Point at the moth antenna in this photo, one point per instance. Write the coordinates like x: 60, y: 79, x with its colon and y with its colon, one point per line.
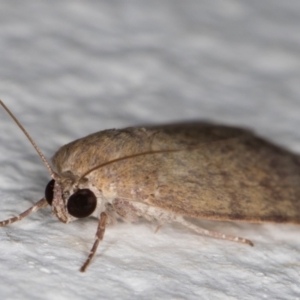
x: 146, y: 153
x: 132, y: 156
x: 37, y: 149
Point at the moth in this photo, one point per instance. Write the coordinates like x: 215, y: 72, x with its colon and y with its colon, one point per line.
x: 167, y: 173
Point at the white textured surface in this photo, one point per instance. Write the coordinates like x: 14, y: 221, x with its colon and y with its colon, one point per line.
x: 69, y: 68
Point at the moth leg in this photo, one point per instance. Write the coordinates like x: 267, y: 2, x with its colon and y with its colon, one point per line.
x: 40, y: 204
x: 158, y: 228
x: 214, y: 234
x: 98, y: 238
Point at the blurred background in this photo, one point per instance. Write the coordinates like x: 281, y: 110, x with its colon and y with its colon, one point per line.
x: 70, y: 68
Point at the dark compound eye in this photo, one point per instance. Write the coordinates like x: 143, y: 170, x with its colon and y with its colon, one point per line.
x: 49, y: 191
x: 82, y: 203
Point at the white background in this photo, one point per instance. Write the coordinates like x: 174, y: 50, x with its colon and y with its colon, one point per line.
x: 70, y: 68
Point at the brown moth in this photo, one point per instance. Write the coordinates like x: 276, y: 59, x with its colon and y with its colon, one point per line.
x: 166, y: 173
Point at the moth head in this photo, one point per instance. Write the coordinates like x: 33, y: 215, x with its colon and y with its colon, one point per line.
x: 70, y: 204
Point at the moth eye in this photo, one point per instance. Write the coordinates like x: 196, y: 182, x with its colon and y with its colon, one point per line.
x: 82, y: 203
x: 49, y: 191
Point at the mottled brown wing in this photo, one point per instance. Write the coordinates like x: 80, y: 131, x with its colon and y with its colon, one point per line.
x: 247, y: 179
x: 221, y: 173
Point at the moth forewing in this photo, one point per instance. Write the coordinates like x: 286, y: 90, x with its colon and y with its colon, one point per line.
x: 166, y: 173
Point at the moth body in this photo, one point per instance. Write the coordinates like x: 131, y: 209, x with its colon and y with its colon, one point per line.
x: 167, y: 173
x: 211, y: 172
